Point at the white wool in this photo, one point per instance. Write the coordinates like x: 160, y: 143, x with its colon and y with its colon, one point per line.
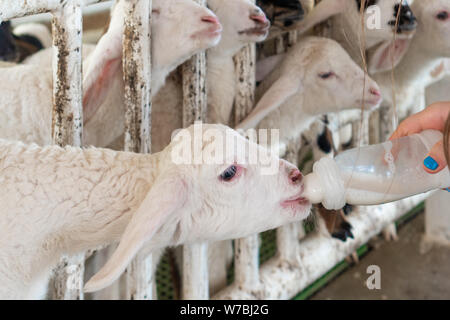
x: 66, y: 200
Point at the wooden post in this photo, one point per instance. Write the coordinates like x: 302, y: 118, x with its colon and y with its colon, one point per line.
x: 137, y: 78
x: 67, y: 124
x: 195, y: 256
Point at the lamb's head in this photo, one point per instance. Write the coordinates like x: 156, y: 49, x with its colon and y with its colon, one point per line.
x: 432, y: 37
x: 380, y: 19
x: 209, y: 188
x: 180, y: 29
x: 333, y: 81
x: 434, y: 26
x: 243, y: 23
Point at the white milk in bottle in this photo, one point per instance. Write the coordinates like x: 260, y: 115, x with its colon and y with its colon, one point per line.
x: 376, y: 174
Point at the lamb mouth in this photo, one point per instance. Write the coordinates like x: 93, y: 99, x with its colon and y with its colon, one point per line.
x: 211, y: 32
x: 258, y: 31
x: 370, y: 102
x: 297, y: 200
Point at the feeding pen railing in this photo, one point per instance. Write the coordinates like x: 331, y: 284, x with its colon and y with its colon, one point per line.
x: 300, y: 258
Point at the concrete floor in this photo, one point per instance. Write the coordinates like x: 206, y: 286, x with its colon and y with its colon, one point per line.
x: 409, y: 270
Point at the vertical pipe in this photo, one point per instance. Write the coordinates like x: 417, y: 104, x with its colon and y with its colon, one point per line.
x: 245, y: 65
x: 195, y: 256
x: 137, y: 79
x: 67, y: 123
x: 195, y: 272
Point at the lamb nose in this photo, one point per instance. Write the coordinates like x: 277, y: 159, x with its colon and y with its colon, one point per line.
x: 375, y: 92
x: 259, y: 17
x: 295, y: 176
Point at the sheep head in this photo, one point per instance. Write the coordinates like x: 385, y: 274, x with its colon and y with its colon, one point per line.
x: 243, y: 23
x: 333, y: 80
x: 209, y: 188
x: 325, y: 76
x: 180, y: 29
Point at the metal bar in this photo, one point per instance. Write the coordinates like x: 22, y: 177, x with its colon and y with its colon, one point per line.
x: 20, y: 8
x: 67, y: 124
x: 195, y: 256
x: 195, y: 272
x: 137, y: 78
x: 245, y: 65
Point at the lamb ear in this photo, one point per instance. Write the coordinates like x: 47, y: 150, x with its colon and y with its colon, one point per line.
x: 387, y: 55
x: 103, y: 63
x: 164, y: 199
x: 278, y: 93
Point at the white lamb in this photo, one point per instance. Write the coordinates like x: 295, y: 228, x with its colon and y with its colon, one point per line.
x: 346, y: 27
x: 66, y: 200
x: 26, y: 104
x: 316, y: 77
x: 418, y: 68
x: 379, y: 22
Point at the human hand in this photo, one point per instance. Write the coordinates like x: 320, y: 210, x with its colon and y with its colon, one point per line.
x: 433, y: 117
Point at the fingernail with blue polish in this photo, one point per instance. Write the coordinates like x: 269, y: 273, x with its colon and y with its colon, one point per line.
x: 430, y: 163
x: 448, y: 189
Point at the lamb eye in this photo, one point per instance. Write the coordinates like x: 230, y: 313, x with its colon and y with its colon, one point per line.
x: 229, y: 174
x: 326, y: 75
x: 443, y: 15
x: 155, y: 11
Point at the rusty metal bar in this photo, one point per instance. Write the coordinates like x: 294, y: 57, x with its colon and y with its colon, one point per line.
x: 245, y: 64
x: 20, y: 8
x: 67, y: 78
x: 137, y: 78
x: 68, y: 122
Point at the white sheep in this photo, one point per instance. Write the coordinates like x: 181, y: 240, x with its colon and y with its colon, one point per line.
x: 25, y: 107
x: 379, y: 22
x: 346, y: 20
x: 416, y: 70
x: 316, y: 77
x: 66, y: 200
x: 243, y: 23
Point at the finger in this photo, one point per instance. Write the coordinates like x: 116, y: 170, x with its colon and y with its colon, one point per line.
x: 433, y: 117
x: 435, y: 161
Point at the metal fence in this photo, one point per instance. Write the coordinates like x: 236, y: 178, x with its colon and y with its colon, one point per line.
x: 298, y: 262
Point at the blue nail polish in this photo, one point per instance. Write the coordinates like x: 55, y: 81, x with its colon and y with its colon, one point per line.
x: 448, y: 189
x: 430, y: 163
